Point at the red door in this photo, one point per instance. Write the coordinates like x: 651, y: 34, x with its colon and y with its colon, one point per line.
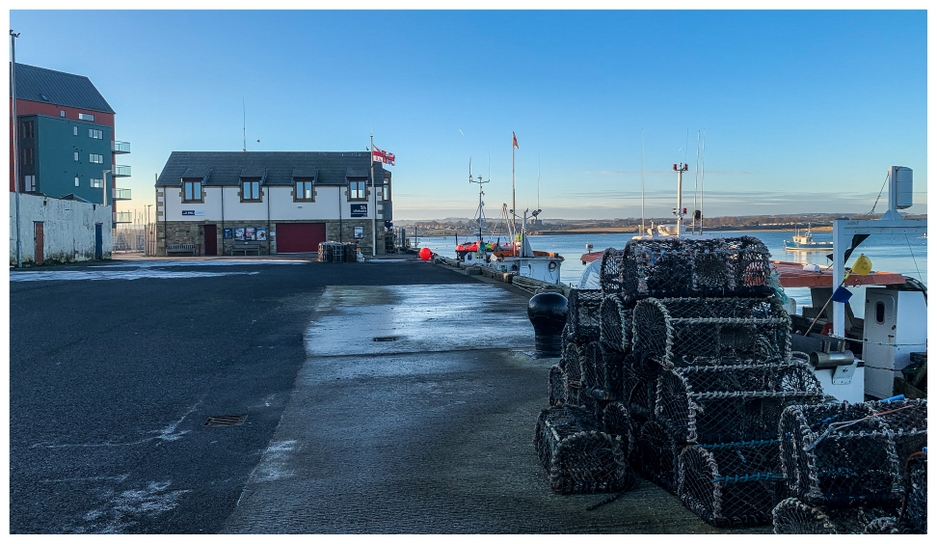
x: 211, y: 240
x: 299, y: 237
x: 40, y: 243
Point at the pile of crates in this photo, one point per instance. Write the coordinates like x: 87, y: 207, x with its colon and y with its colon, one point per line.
x: 684, y: 355
x: 338, y: 252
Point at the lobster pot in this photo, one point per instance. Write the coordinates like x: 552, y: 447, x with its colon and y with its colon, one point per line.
x: 793, y: 516
x: 616, y: 312
x: 658, y: 452
x: 324, y: 252
x: 617, y: 421
x: 570, y: 363
x: 610, y: 273
x: 734, y: 484
x: 677, y: 331
x: 732, y: 403
x: 602, y: 372
x: 681, y: 267
x: 577, y: 456
x: 582, y: 318
x: 557, y: 386
x: 907, y: 420
x: 839, y: 455
x: 638, y: 392
x: 914, y: 510
x: 350, y: 253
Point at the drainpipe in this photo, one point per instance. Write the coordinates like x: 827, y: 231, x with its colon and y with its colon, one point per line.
x: 222, y: 220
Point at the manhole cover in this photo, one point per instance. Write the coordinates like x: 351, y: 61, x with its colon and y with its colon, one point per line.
x: 222, y: 421
x: 385, y: 338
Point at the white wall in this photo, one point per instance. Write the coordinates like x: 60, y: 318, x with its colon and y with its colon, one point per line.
x: 68, y: 228
x: 278, y: 198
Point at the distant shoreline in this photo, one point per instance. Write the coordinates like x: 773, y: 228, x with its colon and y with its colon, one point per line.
x: 630, y: 230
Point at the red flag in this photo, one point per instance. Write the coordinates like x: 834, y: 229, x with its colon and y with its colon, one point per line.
x: 379, y: 155
x: 514, y: 136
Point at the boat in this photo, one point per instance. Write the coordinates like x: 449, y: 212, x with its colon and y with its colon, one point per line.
x: 805, y: 242
x: 516, y: 255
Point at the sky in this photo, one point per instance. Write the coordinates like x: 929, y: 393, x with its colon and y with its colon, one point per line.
x: 775, y: 112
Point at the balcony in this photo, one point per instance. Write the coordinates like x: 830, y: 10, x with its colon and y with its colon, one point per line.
x: 121, y: 171
x: 120, y: 147
x: 123, y: 217
x: 120, y: 194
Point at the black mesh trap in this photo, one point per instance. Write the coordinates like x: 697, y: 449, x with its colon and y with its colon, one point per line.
x: 683, y: 267
x: 582, y: 320
x: 793, y: 516
x: 731, y: 484
x: 616, y: 312
x: 577, y: 456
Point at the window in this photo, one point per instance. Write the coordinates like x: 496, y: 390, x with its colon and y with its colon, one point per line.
x: 250, y: 189
x: 29, y: 129
x: 76, y: 156
x: 75, y: 131
x: 97, y: 183
x: 61, y: 113
x: 356, y: 190
x: 30, y: 184
x: 192, y: 190
x: 304, y: 191
x: 94, y: 133
x: 29, y: 156
x: 95, y: 158
x: 77, y: 181
x: 85, y: 117
x: 385, y: 194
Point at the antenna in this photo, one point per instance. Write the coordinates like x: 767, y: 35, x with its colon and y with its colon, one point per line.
x: 480, y: 213
x: 696, y: 182
x: 643, y: 232
x: 244, y: 109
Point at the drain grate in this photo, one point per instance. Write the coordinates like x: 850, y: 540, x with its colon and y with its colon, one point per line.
x: 385, y: 338
x: 224, y: 421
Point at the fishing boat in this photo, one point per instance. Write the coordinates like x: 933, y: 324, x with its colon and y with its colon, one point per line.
x: 479, y: 250
x: 805, y: 242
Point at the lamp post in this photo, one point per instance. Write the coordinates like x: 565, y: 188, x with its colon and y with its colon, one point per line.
x: 16, y: 170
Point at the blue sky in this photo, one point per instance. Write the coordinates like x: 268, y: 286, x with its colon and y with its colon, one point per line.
x: 803, y: 111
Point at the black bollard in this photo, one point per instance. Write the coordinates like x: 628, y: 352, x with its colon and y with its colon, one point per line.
x: 547, y: 313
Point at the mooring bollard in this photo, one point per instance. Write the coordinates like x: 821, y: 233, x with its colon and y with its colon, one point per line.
x: 547, y: 313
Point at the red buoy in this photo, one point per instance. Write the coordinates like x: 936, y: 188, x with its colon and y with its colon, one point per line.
x: 426, y: 254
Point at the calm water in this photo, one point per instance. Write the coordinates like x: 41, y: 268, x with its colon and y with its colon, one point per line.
x: 897, y: 253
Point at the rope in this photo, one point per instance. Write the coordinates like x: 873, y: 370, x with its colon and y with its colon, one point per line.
x: 844, y: 424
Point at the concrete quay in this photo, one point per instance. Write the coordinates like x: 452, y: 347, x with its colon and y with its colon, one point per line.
x: 388, y: 397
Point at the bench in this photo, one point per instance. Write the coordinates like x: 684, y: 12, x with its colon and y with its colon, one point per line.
x: 181, y: 248
x: 245, y: 247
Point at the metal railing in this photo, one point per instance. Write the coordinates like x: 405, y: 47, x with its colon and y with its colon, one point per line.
x: 120, y: 147
x: 121, y: 194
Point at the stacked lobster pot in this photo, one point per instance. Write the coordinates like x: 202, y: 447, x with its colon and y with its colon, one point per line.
x: 854, y: 468
x: 584, y: 440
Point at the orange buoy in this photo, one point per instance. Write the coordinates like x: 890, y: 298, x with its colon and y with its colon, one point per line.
x: 426, y: 254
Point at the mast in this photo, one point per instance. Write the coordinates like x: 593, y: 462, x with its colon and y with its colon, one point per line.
x: 679, y: 211
x: 513, y: 196
x: 373, y: 190
x: 481, y: 204
x: 643, y: 232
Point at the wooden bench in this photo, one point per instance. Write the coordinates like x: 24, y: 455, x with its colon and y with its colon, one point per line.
x: 181, y: 248
x: 245, y: 247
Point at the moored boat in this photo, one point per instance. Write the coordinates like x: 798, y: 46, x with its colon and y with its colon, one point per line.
x: 805, y: 242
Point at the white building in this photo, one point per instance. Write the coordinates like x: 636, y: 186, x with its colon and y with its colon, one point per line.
x: 220, y: 203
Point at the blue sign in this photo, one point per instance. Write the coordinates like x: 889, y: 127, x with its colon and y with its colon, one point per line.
x: 188, y: 212
x: 359, y: 210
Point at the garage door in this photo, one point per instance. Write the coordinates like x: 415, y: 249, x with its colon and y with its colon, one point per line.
x: 299, y: 237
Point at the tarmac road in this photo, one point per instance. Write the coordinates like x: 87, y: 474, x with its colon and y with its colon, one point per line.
x: 385, y: 397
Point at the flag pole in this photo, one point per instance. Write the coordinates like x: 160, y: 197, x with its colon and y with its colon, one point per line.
x: 513, y: 198
x: 374, y: 211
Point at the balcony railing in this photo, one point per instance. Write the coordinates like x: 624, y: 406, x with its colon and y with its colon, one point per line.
x: 120, y: 147
x: 123, y: 217
x: 121, y: 171
x: 121, y: 194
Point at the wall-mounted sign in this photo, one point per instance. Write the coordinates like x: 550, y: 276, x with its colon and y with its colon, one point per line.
x: 193, y: 212
x: 359, y: 210
x: 359, y: 233
x: 228, y: 233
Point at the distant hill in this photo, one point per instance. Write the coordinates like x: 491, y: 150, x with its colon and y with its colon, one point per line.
x: 466, y: 227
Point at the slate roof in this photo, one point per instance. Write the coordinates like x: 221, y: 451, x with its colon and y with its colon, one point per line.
x: 218, y: 168
x: 59, y: 88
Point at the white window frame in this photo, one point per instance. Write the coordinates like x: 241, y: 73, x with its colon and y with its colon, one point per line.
x: 75, y: 131
x: 76, y: 157
x: 85, y: 117
x: 96, y: 158
x: 95, y: 133
x: 29, y: 183
x: 97, y: 183
x: 77, y: 181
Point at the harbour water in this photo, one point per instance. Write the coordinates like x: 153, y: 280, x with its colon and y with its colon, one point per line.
x: 904, y: 254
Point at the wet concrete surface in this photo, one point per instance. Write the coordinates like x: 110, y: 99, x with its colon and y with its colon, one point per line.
x: 111, y: 383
